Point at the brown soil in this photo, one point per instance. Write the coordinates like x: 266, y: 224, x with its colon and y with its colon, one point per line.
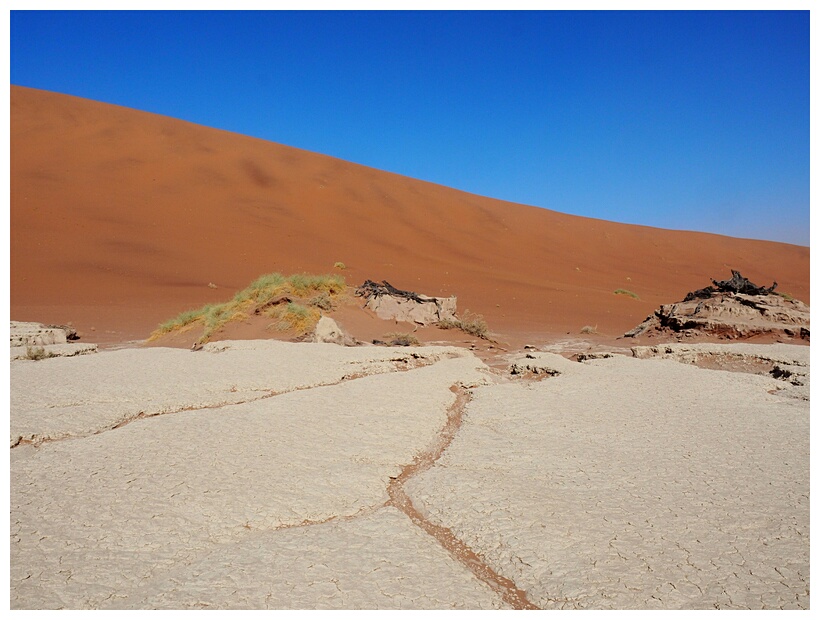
x: 120, y: 220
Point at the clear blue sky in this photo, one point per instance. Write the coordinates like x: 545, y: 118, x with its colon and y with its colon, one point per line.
x: 686, y: 120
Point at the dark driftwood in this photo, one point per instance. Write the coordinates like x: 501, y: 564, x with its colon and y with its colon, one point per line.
x: 737, y: 284
x: 372, y: 289
x: 701, y: 293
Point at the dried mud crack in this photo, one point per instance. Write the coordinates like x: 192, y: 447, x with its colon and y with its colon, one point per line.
x: 505, y: 588
x: 217, y: 507
x: 399, y: 364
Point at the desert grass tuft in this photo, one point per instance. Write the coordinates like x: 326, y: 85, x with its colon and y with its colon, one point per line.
x: 300, y: 318
x: 623, y: 291
x: 182, y: 320
x: 323, y: 301
x: 297, y: 317
x: 786, y: 296
x: 473, y: 324
x: 589, y: 329
x: 254, y: 298
x: 302, y: 285
x: 401, y: 340
x: 339, y: 265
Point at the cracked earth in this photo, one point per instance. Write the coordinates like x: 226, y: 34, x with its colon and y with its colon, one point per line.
x: 275, y: 475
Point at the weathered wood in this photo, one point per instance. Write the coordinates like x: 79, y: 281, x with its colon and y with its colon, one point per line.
x: 736, y: 284
x: 701, y: 293
x: 739, y: 284
x: 372, y: 289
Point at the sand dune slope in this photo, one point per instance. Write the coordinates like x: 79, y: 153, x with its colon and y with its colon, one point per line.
x: 120, y: 219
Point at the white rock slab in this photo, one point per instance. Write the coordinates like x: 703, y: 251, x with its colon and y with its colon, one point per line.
x: 47, y: 351
x: 689, y: 352
x: 788, y: 361
x: 23, y: 333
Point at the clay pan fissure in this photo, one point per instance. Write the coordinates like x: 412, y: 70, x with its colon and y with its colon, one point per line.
x: 397, y: 365
x: 458, y: 549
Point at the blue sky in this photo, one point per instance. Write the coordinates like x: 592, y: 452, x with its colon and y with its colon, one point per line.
x: 685, y: 120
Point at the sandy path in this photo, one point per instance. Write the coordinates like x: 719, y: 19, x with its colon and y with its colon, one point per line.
x: 618, y: 483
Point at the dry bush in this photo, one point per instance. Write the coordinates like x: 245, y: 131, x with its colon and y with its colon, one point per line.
x: 38, y: 353
x: 623, y: 291
x: 473, y: 324
x: 298, y: 318
x: 402, y: 340
x: 323, y: 302
x: 588, y: 329
x: 449, y: 324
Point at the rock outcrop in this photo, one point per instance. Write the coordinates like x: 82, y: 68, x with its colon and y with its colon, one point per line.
x: 732, y: 309
x: 389, y: 302
x: 47, y: 351
x: 23, y: 334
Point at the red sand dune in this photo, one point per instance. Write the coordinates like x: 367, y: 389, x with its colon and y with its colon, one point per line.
x: 120, y: 219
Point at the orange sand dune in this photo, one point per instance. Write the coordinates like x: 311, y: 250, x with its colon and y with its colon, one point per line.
x: 120, y: 219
